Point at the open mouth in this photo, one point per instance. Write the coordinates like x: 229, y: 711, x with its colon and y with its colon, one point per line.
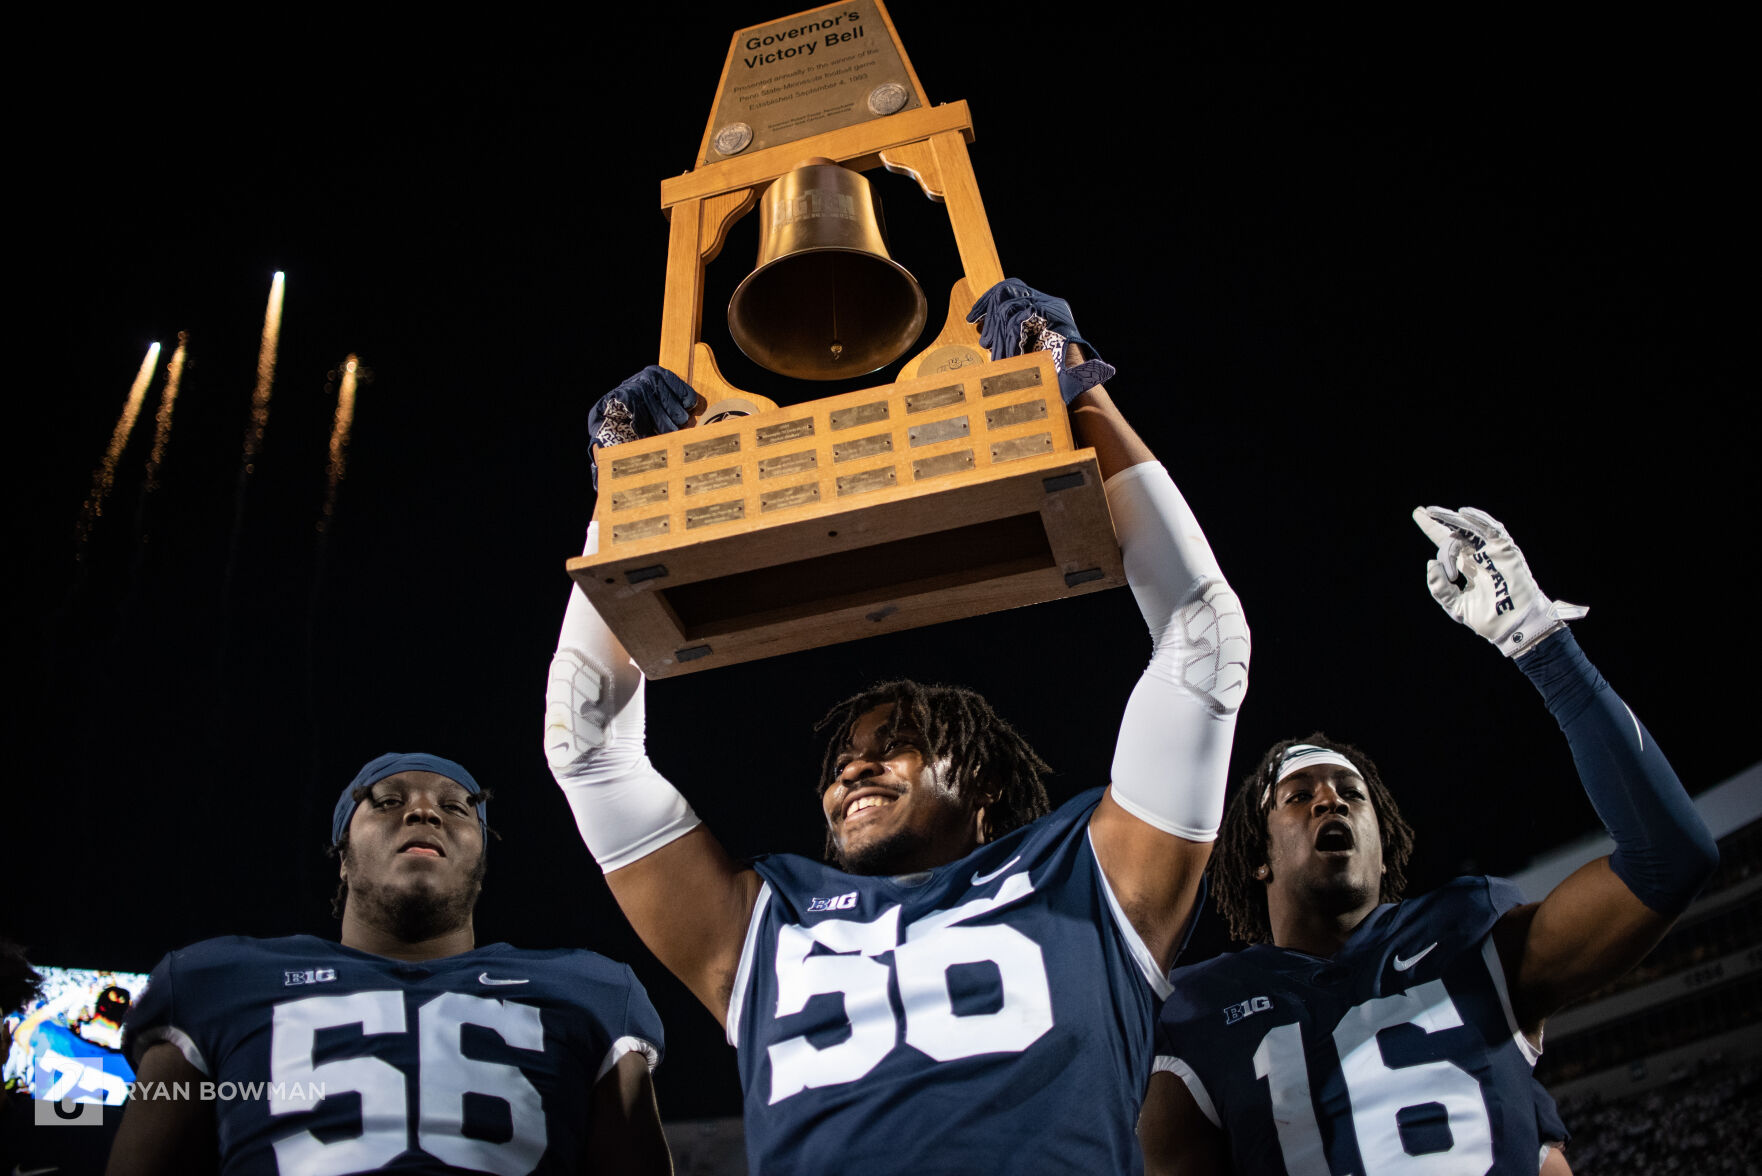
x: 423, y: 849
x: 1335, y: 836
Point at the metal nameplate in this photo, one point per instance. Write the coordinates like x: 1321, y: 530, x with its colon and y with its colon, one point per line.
x: 1015, y: 414
x: 714, y: 447
x: 789, y: 496
x: 930, y: 432
x: 1021, y: 447
x: 721, y: 512
x: 712, y: 480
x: 1072, y: 579
x: 786, y: 431
x: 642, y: 463
x: 942, y: 463
x: 863, y: 447
x: 876, y: 479
x: 788, y: 463
x: 859, y: 414
x: 935, y: 398
x: 639, y: 529
x: 808, y: 74
x: 1010, y: 382
x: 639, y: 496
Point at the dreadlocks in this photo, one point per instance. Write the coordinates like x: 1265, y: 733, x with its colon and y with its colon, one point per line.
x: 984, y: 752
x: 1242, y: 841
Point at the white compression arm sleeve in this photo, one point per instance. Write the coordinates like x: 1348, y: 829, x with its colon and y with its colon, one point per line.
x: 594, y: 725
x: 1172, y: 762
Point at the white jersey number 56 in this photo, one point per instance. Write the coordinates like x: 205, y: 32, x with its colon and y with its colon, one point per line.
x: 444, y: 1076
x: 931, y: 946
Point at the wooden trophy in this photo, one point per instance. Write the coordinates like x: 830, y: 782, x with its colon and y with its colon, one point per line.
x: 955, y: 491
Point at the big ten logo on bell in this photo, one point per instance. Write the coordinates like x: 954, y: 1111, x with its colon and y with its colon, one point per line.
x: 65, y: 1112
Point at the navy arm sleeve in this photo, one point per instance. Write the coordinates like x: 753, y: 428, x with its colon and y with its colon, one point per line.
x: 1664, y: 853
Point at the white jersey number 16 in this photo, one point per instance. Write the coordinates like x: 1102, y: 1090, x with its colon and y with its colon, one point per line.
x: 1378, y: 1091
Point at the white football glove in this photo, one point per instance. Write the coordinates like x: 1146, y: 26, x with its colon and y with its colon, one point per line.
x: 1480, y: 578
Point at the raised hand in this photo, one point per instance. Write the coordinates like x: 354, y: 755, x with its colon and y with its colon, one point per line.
x: 1015, y: 318
x: 1482, y: 580
x: 652, y: 402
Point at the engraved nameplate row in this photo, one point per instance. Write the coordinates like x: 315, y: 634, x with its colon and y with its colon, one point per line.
x: 750, y: 470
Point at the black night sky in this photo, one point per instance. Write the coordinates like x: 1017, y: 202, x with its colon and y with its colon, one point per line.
x: 1343, y: 268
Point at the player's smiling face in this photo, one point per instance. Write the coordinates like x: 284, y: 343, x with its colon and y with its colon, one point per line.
x: 415, y: 847
x: 890, y: 812
x: 1324, y: 846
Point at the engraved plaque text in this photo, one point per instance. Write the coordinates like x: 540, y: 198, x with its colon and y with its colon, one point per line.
x: 714, y: 447
x: 933, y: 431
x: 786, y: 431
x: 863, y: 447
x: 859, y: 414
x: 788, y: 463
x: 943, y: 463
x: 712, y: 480
x: 866, y: 481
x: 721, y: 512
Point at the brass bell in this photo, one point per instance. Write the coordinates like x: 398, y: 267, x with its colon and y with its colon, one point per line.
x: 825, y: 301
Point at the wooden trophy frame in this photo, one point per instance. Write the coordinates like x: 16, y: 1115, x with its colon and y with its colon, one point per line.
x: 953, y: 492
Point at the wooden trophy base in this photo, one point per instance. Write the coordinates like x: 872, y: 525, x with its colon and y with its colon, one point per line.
x: 886, y: 509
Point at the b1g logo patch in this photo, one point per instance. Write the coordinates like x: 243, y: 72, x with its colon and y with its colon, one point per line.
x: 309, y: 976
x: 840, y: 902
x: 1254, y: 1004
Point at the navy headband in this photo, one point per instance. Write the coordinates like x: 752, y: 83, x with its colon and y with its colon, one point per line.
x: 390, y: 764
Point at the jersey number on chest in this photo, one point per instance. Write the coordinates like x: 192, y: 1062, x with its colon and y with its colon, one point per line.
x: 921, y: 962
x: 1382, y: 1096
x: 444, y: 1077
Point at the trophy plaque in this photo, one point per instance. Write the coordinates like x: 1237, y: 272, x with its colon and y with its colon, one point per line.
x: 955, y: 491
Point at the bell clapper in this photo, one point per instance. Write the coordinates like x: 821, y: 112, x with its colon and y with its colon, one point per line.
x: 837, y: 346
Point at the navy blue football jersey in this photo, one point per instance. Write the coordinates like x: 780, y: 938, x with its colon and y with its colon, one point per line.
x: 991, y: 1015
x: 1398, y: 1055
x: 326, y: 1060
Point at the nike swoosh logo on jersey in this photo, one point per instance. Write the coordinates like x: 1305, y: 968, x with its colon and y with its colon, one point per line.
x: 980, y: 879
x: 486, y: 978
x: 1402, y: 965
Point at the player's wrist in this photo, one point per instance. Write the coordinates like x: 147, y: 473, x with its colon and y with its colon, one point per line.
x: 1553, y: 628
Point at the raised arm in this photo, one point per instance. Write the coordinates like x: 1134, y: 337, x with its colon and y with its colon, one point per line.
x: 1608, y: 914
x: 639, y: 829
x: 1153, y: 830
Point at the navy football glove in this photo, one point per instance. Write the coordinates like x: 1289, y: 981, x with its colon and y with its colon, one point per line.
x: 652, y: 402
x: 1015, y: 318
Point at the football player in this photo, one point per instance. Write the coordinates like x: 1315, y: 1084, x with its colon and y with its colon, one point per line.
x: 405, y: 1047
x: 971, y: 979
x: 1369, y: 1034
